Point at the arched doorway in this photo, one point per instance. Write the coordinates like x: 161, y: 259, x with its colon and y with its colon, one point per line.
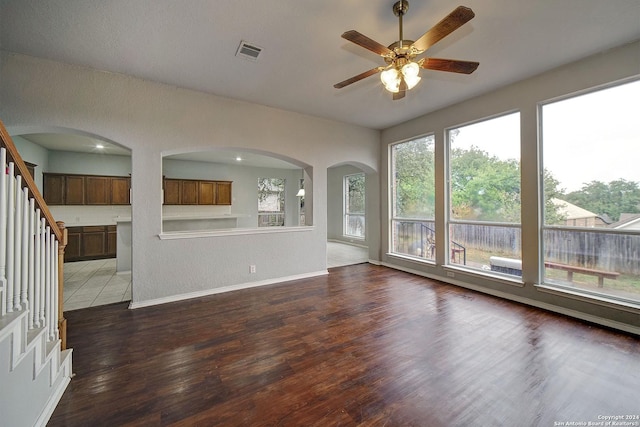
x: 85, y: 180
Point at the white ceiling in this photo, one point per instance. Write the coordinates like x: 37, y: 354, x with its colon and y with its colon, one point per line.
x: 192, y: 44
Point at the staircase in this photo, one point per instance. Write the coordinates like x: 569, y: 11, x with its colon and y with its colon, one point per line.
x: 35, y: 366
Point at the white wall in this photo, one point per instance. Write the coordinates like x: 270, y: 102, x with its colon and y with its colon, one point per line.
x: 601, y: 69
x: 152, y: 119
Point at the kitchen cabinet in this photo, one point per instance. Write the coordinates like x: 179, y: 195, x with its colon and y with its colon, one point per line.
x: 69, y: 189
x: 74, y: 190
x: 53, y: 190
x: 97, y: 190
x: 120, y: 194
x: 90, y: 242
x: 206, y: 193
x: 223, y: 193
x: 172, y: 191
x: 196, y: 192
x: 189, y: 193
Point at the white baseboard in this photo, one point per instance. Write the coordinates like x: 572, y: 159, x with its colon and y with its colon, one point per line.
x: 206, y: 292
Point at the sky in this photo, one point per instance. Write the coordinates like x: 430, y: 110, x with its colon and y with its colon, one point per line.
x: 591, y: 137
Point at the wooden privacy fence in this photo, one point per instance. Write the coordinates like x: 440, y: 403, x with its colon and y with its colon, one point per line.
x: 590, y: 249
x: 598, y: 249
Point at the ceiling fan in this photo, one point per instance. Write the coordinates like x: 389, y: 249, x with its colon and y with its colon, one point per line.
x: 402, y: 70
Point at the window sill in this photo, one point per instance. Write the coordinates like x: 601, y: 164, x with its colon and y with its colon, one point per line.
x: 194, y: 234
x: 586, y: 296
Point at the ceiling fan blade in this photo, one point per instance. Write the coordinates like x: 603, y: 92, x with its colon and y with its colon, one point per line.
x: 358, y: 77
x: 451, y: 65
x: 366, y: 42
x: 402, y: 92
x: 450, y: 23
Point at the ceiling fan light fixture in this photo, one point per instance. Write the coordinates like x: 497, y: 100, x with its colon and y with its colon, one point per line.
x: 410, y: 73
x: 391, y: 79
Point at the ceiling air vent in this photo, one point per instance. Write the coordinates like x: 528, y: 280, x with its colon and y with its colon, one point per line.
x: 248, y: 51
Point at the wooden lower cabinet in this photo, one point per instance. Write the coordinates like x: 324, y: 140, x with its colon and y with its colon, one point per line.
x: 90, y: 242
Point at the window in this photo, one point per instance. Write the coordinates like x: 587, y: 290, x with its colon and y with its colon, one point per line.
x: 354, y: 205
x: 484, y: 195
x: 270, y: 202
x: 590, y: 156
x: 412, y: 186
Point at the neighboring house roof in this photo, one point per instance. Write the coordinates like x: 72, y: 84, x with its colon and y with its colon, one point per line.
x: 627, y: 221
x: 572, y: 211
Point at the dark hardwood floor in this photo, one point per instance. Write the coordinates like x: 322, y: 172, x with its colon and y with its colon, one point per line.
x: 363, y: 346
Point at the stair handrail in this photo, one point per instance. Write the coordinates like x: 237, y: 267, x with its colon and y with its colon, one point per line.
x: 57, y: 228
x: 27, y: 180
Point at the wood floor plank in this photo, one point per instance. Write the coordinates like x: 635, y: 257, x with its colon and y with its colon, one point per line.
x: 363, y: 346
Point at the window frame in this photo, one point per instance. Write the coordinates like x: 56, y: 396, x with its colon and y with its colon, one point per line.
x: 427, y: 245
x: 345, y: 207
x: 450, y: 221
x: 549, y: 286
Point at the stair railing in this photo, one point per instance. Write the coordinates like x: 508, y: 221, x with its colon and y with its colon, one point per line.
x: 31, y: 248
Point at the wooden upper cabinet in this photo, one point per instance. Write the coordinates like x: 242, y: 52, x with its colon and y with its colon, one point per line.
x: 74, y: 190
x: 120, y: 191
x: 189, y: 192
x: 98, y: 190
x: 53, y: 189
x: 223, y: 193
x: 67, y: 189
x: 206, y: 193
x: 196, y: 192
x: 172, y: 191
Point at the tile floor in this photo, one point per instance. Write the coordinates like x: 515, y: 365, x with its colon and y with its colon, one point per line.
x: 92, y: 283
x: 339, y: 254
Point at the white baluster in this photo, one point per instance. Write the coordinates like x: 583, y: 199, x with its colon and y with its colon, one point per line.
x: 33, y: 314
x: 43, y: 272
x: 3, y: 228
x: 56, y: 284
x: 17, y: 245
x: 24, y: 259
x: 11, y: 190
x: 37, y: 278
x: 47, y: 280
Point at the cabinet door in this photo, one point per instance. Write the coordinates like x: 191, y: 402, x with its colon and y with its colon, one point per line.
x: 74, y: 190
x: 120, y: 191
x: 112, y: 238
x: 189, y: 192
x: 98, y: 190
x: 53, y: 191
x: 94, y: 241
x: 72, y: 250
x: 172, y: 191
x: 206, y: 193
x: 223, y: 193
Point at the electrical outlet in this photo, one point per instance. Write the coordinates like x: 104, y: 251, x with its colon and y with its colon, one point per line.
x: 451, y: 274
x: 252, y: 269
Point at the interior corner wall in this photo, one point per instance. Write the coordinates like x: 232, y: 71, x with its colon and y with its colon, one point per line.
x: 614, y: 65
x: 335, y: 203
x: 150, y: 118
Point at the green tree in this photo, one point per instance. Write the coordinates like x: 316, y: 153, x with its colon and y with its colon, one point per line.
x: 612, y: 199
x: 483, y: 187
x: 414, y: 178
x: 356, y: 193
x: 552, y: 214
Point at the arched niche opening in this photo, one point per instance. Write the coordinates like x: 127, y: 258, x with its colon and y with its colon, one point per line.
x: 234, y: 189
